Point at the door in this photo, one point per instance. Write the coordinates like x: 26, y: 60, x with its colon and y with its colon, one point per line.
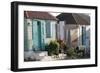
x: 84, y: 36
x: 36, y: 35
x: 39, y: 34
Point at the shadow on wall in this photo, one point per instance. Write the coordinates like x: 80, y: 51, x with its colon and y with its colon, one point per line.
x: 87, y: 42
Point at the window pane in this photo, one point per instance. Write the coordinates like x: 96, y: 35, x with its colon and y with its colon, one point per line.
x: 48, y: 29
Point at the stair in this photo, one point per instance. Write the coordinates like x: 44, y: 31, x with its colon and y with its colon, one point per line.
x: 37, y: 56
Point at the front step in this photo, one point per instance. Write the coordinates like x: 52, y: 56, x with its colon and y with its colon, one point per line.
x: 34, y: 56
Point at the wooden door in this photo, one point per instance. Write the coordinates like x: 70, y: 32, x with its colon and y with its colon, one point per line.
x: 36, y: 35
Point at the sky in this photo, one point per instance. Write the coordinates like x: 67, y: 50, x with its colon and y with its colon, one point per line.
x: 55, y: 14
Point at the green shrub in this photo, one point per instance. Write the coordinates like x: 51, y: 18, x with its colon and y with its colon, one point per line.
x: 77, y: 52
x: 80, y: 51
x: 71, y: 53
x: 52, y: 48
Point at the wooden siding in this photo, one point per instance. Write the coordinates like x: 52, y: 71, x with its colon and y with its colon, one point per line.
x: 60, y: 30
x: 53, y: 32
x: 29, y: 34
x: 74, y: 38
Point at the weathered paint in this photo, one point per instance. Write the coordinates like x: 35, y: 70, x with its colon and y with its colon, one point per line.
x: 42, y: 35
x: 60, y: 30
x: 80, y: 35
x: 84, y: 38
x: 28, y: 34
x: 38, y: 34
x: 76, y: 38
x: 53, y: 32
x: 35, y: 34
x: 88, y: 36
x: 25, y: 35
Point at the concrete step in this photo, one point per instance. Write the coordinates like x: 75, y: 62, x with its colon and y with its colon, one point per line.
x: 35, y: 55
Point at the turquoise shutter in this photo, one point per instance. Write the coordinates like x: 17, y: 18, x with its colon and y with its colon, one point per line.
x: 25, y: 36
x: 38, y: 36
x: 35, y: 35
x: 42, y: 36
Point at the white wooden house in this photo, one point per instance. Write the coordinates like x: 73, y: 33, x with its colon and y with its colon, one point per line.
x: 74, y: 29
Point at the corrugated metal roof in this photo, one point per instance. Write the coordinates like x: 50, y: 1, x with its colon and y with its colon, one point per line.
x: 39, y: 15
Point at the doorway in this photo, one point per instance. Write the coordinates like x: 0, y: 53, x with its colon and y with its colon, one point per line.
x: 36, y: 35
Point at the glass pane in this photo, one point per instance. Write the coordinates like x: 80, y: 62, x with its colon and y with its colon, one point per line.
x: 48, y: 29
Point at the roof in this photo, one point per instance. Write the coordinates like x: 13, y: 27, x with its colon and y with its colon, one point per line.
x: 39, y: 15
x: 74, y: 18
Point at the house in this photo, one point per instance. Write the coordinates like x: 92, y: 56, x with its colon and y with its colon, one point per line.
x: 39, y: 28
x: 74, y: 29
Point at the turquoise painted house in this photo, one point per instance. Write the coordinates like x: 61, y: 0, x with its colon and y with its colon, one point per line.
x: 39, y: 29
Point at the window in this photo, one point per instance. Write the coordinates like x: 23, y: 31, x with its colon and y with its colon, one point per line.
x: 48, y: 29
